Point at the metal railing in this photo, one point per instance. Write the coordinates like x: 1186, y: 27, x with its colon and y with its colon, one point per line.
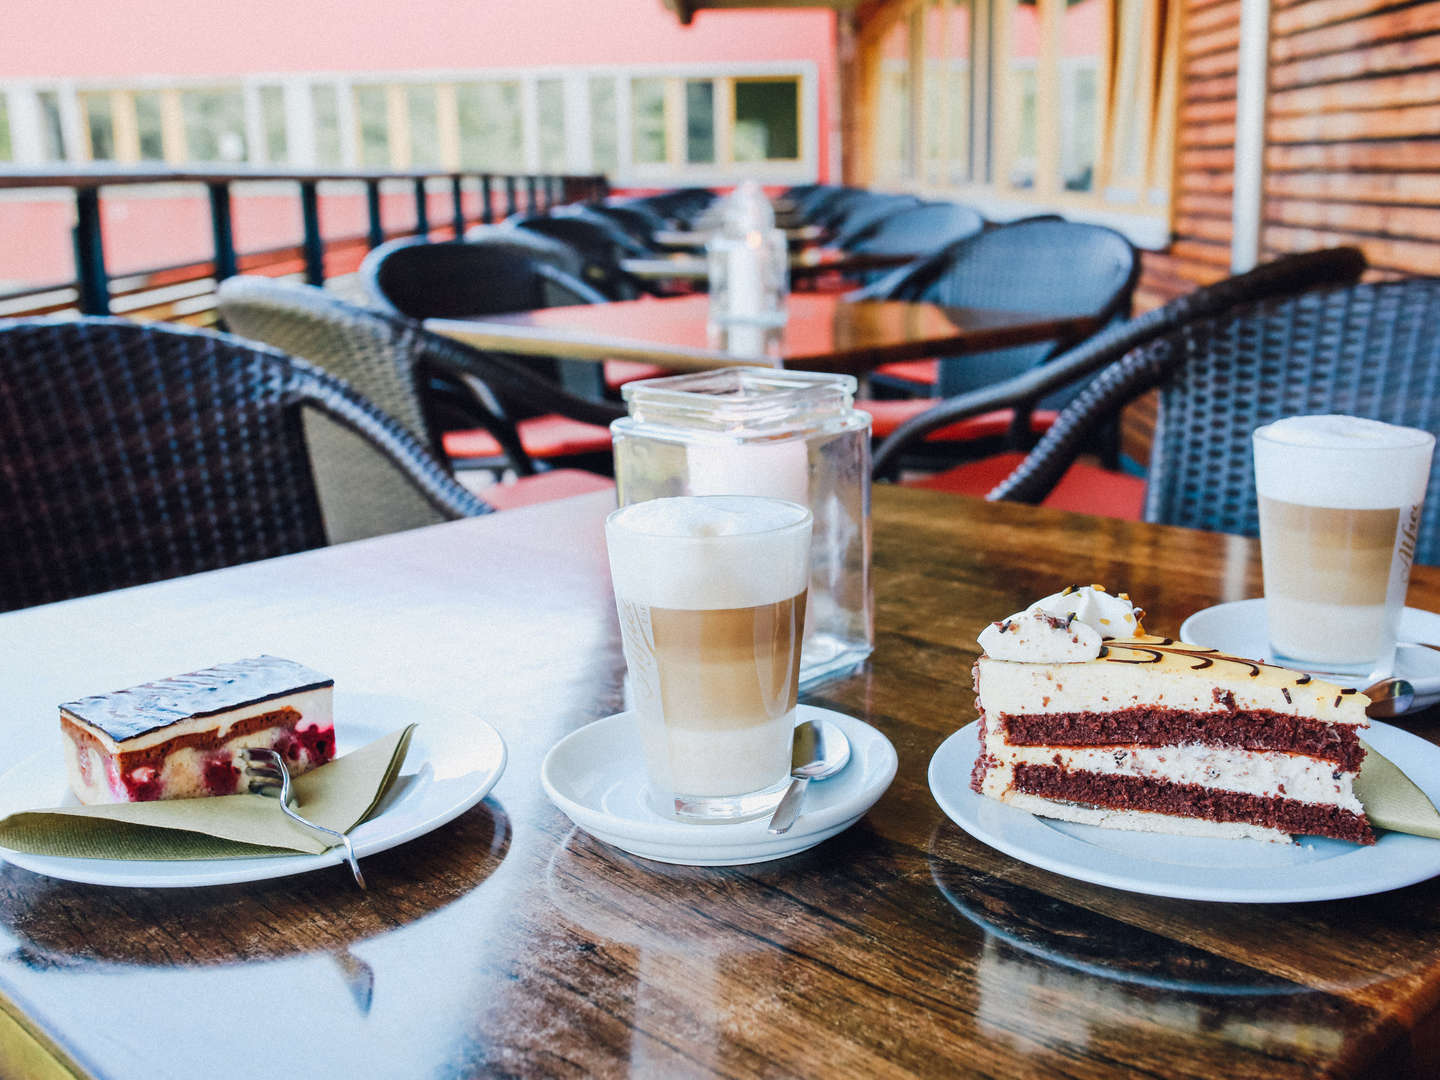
x: 500, y: 195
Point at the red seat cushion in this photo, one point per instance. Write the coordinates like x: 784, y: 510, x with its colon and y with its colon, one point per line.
x: 548, y: 436
x: 916, y: 371
x: 620, y: 372
x: 543, y: 487
x: 886, y: 416
x: 1085, y: 488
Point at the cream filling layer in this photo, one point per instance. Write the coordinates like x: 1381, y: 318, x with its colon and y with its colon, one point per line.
x: 1006, y: 688
x: 315, y: 707
x: 1265, y: 773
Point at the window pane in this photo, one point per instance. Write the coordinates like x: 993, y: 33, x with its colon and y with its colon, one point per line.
x: 1082, y: 37
x: 1024, y: 56
x: 958, y: 52
x: 214, y: 125
x: 372, y: 121
x: 699, y: 121
x: 892, y: 129
x: 490, y: 133
x: 5, y: 152
x: 101, y: 125
x: 550, y: 105
x: 647, y: 109
x: 604, y: 149
x: 934, y: 103
x: 424, y: 127
x: 54, y: 132
x: 272, y: 119
x: 767, y: 119
x: 325, y: 101
x: 151, y: 128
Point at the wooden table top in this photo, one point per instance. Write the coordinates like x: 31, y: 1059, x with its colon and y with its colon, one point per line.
x: 809, y: 263
x: 824, y: 332
x: 509, y: 943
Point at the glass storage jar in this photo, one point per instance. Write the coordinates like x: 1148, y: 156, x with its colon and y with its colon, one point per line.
x: 755, y: 431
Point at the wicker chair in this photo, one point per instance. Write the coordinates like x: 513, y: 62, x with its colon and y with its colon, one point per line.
x: 1366, y: 350
x: 399, y: 364
x: 540, y: 248
x: 916, y: 230
x: 600, y: 245
x: 134, y: 453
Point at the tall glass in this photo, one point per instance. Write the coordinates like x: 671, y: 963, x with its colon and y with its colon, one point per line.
x: 711, y: 596
x: 1339, y: 501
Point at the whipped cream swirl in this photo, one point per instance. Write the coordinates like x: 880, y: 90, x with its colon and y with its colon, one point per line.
x: 1065, y: 628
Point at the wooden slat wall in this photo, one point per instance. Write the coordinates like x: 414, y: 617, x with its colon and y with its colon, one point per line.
x: 1203, y: 180
x: 1353, y: 133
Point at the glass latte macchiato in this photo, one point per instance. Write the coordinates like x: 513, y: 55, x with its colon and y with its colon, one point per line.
x: 1339, y: 501
x: 711, y: 595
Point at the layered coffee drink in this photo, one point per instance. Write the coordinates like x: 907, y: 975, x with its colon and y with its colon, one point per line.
x: 1339, y: 502
x: 711, y: 596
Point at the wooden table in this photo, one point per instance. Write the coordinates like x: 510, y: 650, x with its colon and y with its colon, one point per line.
x: 508, y: 943
x: 823, y: 333
x: 804, y: 265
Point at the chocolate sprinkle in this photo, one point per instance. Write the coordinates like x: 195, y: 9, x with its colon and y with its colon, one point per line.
x: 1302, y: 680
x: 1286, y: 691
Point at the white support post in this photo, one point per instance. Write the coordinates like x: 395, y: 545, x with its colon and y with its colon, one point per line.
x: 1251, y: 94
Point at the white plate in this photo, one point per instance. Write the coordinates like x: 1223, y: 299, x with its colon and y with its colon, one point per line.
x: 596, y: 778
x: 1197, y: 868
x: 452, y: 764
x: 1239, y: 628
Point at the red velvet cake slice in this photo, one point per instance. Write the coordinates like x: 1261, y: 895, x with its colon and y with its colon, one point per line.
x: 1130, y: 731
x: 177, y: 738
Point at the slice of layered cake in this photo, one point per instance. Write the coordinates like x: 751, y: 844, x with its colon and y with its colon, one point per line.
x: 1085, y: 718
x: 177, y: 738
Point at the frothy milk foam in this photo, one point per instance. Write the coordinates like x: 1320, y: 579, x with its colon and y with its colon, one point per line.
x: 711, y: 599
x: 1337, y: 495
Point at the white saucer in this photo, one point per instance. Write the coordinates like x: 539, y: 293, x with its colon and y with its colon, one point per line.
x: 1239, y: 628
x: 453, y: 762
x: 596, y: 778
x: 1198, y: 868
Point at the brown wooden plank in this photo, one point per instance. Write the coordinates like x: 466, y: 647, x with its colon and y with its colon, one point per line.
x: 1377, y: 156
x: 1402, y: 222
x: 1355, y: 63
x: 1396, y: 122
x: 1214, y: 182
x: 1220, y: 159
x: 1216, y: 134
x: 1207, y: 111
x: 1355, y: 35
x: 1347, y: 186
x: 1204, y: 67
x: 1202, y: 252
x: 1296, y: 16
x: 1380, y: 92
x: 1209, y: 88
x: 1224, y: 13
x: 1409, y: 256
x: 1214, y: 229
x: 1225, y: 37
x: 1203, y: 203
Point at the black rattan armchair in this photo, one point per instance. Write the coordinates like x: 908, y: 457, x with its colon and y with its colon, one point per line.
x: 131, y: 453
x: 600, y: 244
x: 395, y: 361
x: 1283, y: 277
x: 915, y: 230
x: 1366, y: 350
x: 867, y: 218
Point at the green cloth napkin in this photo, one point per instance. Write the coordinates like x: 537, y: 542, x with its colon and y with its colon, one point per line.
x: 339, y: 795
x: 1392, y: 800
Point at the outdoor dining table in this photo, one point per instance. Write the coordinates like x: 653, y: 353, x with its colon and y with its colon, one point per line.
x: 796, y: 235
x: 509, y: 943
x: 804, y: 265
x: 822, y: 333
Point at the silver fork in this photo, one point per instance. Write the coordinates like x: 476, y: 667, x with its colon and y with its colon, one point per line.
x: 266, y: 774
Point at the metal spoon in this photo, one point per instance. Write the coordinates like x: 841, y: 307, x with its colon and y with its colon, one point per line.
x: 821, y: 750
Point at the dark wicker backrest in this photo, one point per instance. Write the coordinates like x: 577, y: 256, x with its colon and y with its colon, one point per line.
x: 867, y: 218
x: 1285, y: 276
x: 540, y: 248
x: 131, y: 453
x: 637, y: 220
x: 917, y: 230
x: 459, y: 280
x: 1367, y: 350
x: 1048, y: 267
x: 598, y: 250
x: 834, y: 211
